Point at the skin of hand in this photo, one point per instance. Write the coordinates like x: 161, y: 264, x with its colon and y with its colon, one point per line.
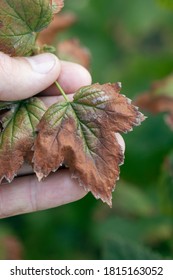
x: 22, y: 78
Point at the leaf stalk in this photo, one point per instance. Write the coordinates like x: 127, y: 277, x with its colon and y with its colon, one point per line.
x: 62, y: 91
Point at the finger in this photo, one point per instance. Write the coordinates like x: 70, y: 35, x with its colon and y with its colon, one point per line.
x: 21, y: 78
x: 71, y: 78
x: 27, y: 195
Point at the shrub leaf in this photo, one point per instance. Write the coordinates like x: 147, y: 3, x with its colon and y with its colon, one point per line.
x: 81, y: 135
x: 17, y: 135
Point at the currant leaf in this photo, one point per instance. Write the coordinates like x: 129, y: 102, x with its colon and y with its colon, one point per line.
x: 72, y: 50
x: 20, y: 20
x: 17, y: 135
x: 58, y: 24
x: 159, y: 99
x: 81, y: 134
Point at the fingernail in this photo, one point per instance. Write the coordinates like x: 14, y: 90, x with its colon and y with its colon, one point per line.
x: 42, y: 63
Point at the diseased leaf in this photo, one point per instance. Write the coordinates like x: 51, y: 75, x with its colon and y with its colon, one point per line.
x: 58, y: 24
x: 159, y: 99
x: 72, y: 50
x: 81, y: 134
x: 20, y: 20
x: 17, y: 136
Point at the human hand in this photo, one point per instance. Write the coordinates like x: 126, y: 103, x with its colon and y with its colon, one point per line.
x: 22, y: 78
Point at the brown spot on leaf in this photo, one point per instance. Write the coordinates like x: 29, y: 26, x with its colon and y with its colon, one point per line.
x: 7, y: 48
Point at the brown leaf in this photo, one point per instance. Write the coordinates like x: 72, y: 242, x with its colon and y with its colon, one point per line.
x: 159, y: 99
x: 17, y: 135
x: 59, y: 23
x: 72, y: 50
x: 81, y: 134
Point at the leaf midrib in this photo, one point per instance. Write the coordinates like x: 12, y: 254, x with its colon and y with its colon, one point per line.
x: 81, y: 129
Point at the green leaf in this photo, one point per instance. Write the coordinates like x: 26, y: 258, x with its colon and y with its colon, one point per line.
x: 17, y: 136
x: 20, y: 20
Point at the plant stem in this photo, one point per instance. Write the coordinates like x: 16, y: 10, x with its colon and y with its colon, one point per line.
x: 62, y: 91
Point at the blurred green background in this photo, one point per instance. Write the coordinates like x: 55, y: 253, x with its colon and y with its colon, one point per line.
x: 132, y: 42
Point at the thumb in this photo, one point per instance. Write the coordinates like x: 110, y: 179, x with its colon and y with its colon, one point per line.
x: 23, y: 77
